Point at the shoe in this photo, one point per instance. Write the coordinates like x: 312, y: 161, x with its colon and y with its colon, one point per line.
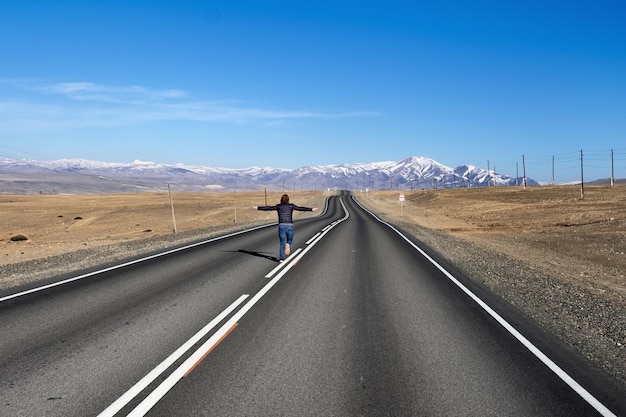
x: 287, y: 249
x: 281, y: 260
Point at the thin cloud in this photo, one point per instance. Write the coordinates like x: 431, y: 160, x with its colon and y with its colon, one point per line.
x: 87, y: 91
x: 87, y: 104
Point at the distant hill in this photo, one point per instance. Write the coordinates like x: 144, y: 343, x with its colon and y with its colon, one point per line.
x: 607, y: 181
x: 78, y: 176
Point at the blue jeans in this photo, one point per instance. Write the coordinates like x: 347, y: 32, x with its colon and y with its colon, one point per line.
x: 285, y: 235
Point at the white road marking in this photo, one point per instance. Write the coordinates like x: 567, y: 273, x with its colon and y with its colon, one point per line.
x: 586, y: 395
x: 313, y: 238
x: 311, y: 242
x: 155, y: 396
x: 136, y: 261
x: 162, y: 367
x: 283, y: 264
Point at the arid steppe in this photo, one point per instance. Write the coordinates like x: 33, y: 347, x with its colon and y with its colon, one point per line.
x: 557, y: 257
x: 56, y: 224
x: 582, y: 241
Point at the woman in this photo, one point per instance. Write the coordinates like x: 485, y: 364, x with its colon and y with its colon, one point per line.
x: 285, y: 223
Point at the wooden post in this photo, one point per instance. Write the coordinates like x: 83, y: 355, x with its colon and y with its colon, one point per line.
x: 612, y: 169
x: 582, y: 180
x: 524, y: 170
x: 169, y: 191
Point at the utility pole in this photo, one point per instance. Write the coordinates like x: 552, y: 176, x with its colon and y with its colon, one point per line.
x: 488, y: 174
x: 517, y: 174
x: 553, y: 170
x: 582, y: 180
x: 235, y: 197
x: 524, y: 170
x: 169, y: 192
x: 612, y: 170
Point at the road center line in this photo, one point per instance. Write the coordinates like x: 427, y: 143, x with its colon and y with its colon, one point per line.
x: 162, y: 367
x: 155, y: 396
x: 313, y: 238
x: 283, y: 264
x: 213, y: 346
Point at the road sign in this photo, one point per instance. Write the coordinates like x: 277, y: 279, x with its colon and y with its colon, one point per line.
x: 401, y: 197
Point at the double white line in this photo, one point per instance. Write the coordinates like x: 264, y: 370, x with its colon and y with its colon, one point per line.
x: 162, y: 367
x: 192, y: 361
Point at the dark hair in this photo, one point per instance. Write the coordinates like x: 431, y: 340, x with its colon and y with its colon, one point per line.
x: 284, y: 199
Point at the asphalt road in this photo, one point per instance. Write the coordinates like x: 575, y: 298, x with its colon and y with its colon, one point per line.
x: 357, y: 322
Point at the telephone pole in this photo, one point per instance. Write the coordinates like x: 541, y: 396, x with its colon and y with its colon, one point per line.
x: 582, y: 180
x: 612, y: 170
x: 524, y: 170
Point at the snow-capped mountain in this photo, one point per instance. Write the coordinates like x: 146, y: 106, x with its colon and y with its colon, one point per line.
x: 83, y: 176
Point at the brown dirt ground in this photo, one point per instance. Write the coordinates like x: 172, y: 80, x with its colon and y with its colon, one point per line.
x: 581, y: 241
x: 55, y: 224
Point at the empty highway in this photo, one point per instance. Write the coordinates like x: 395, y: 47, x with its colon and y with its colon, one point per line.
x: 359, y: 321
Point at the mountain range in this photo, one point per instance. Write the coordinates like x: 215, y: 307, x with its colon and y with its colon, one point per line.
x: 79, y: 176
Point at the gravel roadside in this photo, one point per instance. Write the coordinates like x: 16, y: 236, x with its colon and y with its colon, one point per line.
x: 590, y: 323
x: 32, y: 271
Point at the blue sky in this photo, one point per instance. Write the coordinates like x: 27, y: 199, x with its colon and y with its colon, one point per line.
x: 291, y: 83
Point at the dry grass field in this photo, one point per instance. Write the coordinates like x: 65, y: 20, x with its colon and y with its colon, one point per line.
x: 581, y: 241
x: 54, y: 224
